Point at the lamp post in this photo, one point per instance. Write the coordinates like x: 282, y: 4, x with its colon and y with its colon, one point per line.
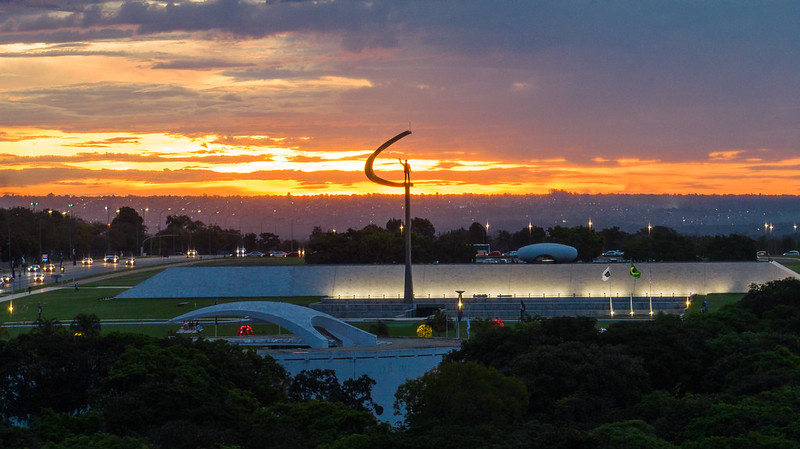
x: 33, y: 209
x: 209, y: 228
x: 69, y: 231
x: 530, y: 226
x: 108, y: 231
x: 460, y: 306
x: 143, y: 210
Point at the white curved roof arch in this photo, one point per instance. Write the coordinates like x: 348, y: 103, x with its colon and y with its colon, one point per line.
x: 299, y: 320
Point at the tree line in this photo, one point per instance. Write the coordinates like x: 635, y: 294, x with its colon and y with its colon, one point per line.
x: 28, y: 233
x: 375, y: 244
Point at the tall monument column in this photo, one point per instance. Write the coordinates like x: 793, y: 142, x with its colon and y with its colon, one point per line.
x: 408, y: 292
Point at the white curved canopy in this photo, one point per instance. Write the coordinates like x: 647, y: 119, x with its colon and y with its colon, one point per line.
x: 299, y: 320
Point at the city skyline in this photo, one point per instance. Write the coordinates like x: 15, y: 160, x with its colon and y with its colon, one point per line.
x: 234, y: 97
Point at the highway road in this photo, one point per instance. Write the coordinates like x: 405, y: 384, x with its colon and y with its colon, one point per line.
x: 74, y: 273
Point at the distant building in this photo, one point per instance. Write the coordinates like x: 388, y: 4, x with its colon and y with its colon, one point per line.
x: 547, y: 252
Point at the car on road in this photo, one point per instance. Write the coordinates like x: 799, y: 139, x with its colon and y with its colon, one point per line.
x: 111, y: 258
x: 277, y: 254
x: 255, y: 254
x: 38, y: 277
x: 34, y: 268
x: 191, y: 253
x: 49, y: 267
x: 613, y: 253
x: 241, y: 251
x: 761, y: 254
x: 792, y: 253
x: 6, y: 279
x: 87, y: 261
x: 130, y: 261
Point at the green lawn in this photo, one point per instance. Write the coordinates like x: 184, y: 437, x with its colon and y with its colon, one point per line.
x: 715, y: 301
x: 97, y: 298
x: 793, y: 265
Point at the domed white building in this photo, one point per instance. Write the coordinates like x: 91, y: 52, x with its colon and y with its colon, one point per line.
x: 547, y: 252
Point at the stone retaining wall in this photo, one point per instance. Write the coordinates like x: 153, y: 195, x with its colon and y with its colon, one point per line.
x: 442, y: 281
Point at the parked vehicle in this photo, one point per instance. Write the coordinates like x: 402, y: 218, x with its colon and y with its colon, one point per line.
x: 614, y: 253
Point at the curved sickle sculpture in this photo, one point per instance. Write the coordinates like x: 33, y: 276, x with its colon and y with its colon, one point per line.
x: 371, y: 159
x: 408, y: 293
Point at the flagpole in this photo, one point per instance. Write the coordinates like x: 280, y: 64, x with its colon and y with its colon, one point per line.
x: 635, y: 273
x: 606, y: 276
x: 634, y: 288
x: 650, y: 291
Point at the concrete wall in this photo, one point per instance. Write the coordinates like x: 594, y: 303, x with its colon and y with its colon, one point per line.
x: 436, y: 281
x: 388, y: 367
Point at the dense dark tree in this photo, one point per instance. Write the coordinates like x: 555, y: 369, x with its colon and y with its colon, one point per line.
x: 249, y: 241
x: 674, y: 354
x: 127, y: 230
x: 765, y: 297
x: 588, y: 242
x: 324, y: 385
x: 661, y: 244
x: 732, y: 247
x: 311, y: 424
x: 464, y: 394
x: 634, y: 434
x: 268, y: 241
x: 614, y: 238
x: 454, y: 247
x: 502, y: 241
x: 573, y: 382
x: 477, y: 233
x: 527, y: 236
x: 423, y: 227
x: 85, y: 325
x: 394, y: 224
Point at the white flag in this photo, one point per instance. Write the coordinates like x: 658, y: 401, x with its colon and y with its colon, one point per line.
x: 606, y: 274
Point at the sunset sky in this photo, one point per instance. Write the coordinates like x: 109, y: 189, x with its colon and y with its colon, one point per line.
x: 259, y: 98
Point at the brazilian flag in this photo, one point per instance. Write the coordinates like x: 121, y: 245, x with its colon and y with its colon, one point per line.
x: 634, y: 272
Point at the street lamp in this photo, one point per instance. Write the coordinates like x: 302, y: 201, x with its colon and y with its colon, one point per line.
x: 143, y: 210
x: 460, y: 306
x: 108, y: 231
x: 69, y: 232
x: 590, y: 224
x: 530, y: 226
